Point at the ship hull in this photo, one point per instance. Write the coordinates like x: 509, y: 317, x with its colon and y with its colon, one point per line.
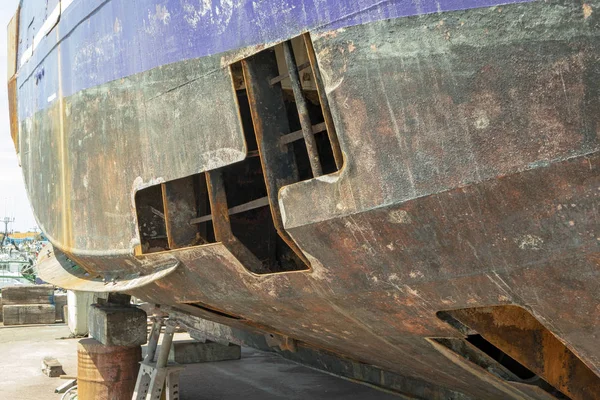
x: 470, y: 181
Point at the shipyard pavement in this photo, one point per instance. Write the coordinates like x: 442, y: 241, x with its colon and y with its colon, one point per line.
x: 256, y: 376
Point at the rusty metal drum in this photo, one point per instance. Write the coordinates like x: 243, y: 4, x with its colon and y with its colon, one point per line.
x: 106, y: 372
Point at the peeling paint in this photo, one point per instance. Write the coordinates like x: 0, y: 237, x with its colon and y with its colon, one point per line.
x: 530, y: 242
x: 400, y: 217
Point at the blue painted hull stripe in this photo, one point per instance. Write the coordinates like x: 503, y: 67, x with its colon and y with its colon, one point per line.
x: 105, y: 40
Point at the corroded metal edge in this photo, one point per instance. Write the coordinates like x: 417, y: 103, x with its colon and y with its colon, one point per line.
x: 55, y: 267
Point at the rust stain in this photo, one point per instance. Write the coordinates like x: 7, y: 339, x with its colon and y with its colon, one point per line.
x: 587, y: 10
x: 520, y: 335
x: 13, y: 112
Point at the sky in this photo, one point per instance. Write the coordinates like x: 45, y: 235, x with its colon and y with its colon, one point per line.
x: 13, y: 197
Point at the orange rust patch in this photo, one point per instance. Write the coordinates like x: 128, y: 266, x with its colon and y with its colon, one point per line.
x: 587, y: 10
x: 12, y: 106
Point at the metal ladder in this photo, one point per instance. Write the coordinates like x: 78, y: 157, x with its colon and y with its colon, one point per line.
x: 156, y: 377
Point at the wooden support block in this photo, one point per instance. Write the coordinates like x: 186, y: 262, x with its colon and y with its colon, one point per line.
x: 118, y: 325
x: 29, y: 314
x: 28, y: 294
x: 193, y: 351
x: 51, y: 367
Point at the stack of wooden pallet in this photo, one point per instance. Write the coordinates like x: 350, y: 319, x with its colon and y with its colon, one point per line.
x: 27, y: 305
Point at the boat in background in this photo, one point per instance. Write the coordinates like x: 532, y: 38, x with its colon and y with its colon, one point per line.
x: 18, y: 254
x: 13, y: 271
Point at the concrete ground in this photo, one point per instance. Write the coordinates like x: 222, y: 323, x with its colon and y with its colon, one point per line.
x: 257, y: 376
x: 22, y: 350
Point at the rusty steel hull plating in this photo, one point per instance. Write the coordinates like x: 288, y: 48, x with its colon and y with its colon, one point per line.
x: 468, y: 178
